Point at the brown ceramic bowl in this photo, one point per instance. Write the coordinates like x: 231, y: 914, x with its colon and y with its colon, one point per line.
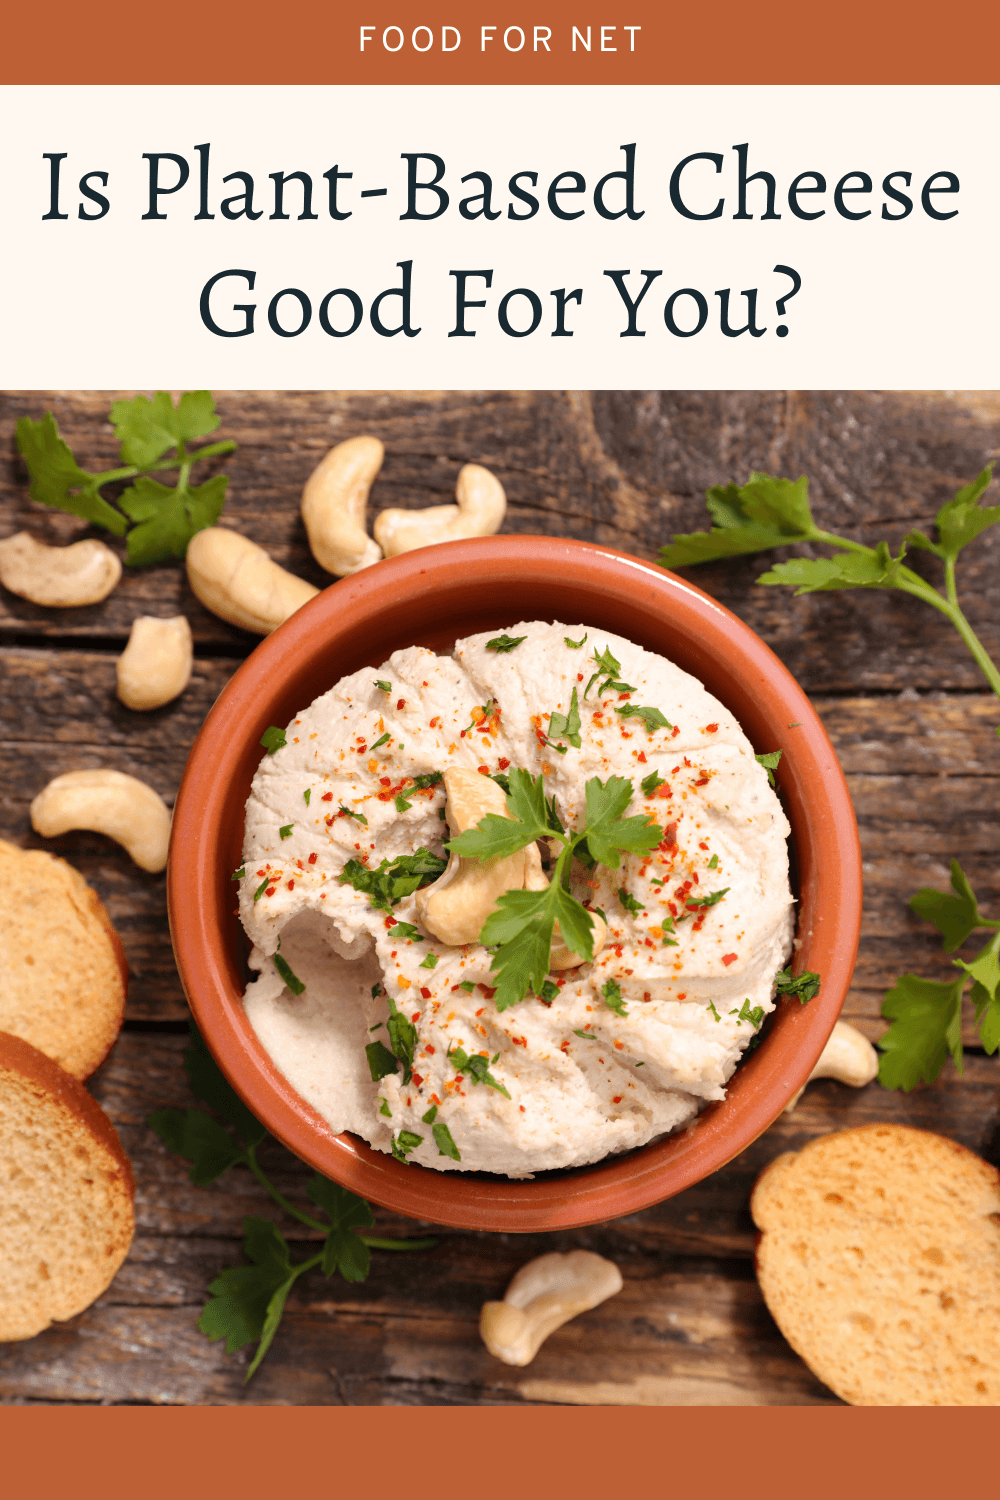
x: 430, y: 598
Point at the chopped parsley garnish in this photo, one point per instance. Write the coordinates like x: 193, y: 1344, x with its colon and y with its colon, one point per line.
x: 404, y: 1143
x: 377, y: 989
x: 504, y: 643
x: 651, y: 717
x: 429, y: 778
x: 651, y: 782
x: 629, y: 902
x: 804, y: 987
x: 610, y: 686
x: 382, y: 739
x: 566, y: 726
x: 442, y: 1137
x: 467, y: 985
x: 502, y: 780
x: 380, y: 1062
x: 430, y: 1116
x: 715, y: 1013
x: 384, y: 1109
x: 347, y: 813
x: 607, y: 666
x: 286, y: 831
x: 668, y: 925
x: 377, y: 1027
x: 612, y: 996
x: 273, y: 739
x: 402, y: 1038
x: 711, y: 900
x: 522, y: 924
x: 408, y: 933
x: 284, y: 969
x: 549, y: 991
x: 383, y: 687
x: 430, y: 962
x: 754, y: 1016
x: 394, y: 879
x: 239, y: 874
x: 484, y: 709
x: 574, y: 645
x: 307, y: 795
x: 770, y: 763
x: 261, y: 888
x: 401, y: 804
x: 588, y: 1036
x: 477, y: 1067
x: 713, y: 863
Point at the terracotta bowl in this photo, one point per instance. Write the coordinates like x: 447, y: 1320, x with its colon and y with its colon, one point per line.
x: 430, y: 598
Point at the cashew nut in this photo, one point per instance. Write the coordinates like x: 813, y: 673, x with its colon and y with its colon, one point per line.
x: 125, y: 809
x: 60, y: 577
x: 481, y: 508
x: 156, y: 664
x: 561, y: 957
x: 848, y: 1056
x: 455, y: 907
x: 544, y: 1295
x: 333, y: 506
x: 237, y: 581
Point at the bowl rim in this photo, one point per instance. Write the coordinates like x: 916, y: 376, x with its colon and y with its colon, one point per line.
x: 205, y: 936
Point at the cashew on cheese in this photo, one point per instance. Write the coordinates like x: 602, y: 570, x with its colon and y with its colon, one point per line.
x: 544, y: 1295
x: 59, y: 577
x: 334, y: 502
x: 156, y: 664
x: 237, y: 581
x: 848, y: 1057
x: 123, y: 808
x: 481, y: 508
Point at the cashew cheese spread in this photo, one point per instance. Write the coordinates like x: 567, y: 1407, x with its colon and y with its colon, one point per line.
x: 391, y: 1030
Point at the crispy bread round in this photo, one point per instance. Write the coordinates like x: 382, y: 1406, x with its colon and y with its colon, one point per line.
x: 63, y: 976
x: 66, y: 1193
x: 879, y: 1258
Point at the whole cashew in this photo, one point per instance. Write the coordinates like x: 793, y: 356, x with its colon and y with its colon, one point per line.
x: 125, y: 809
x: 481, y: 508
x: 455, y: 907
x: 848, y: 1056
x: 544, y: 1295
x: 156, y: 664
x: 333, y: 506
x: 237, y: 581
x: 60, y: 577
x: 561, y: 957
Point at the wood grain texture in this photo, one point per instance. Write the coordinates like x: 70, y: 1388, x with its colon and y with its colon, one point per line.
x: 901, y: 701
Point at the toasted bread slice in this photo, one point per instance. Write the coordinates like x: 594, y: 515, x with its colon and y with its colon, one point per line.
x: 63, y: 976
x: 65, y: 1193
x: 879, y: 1258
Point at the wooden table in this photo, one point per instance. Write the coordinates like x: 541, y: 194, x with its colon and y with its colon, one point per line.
x: 903, y: 704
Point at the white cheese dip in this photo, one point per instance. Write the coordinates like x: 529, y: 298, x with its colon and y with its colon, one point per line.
x: 578, y: 1080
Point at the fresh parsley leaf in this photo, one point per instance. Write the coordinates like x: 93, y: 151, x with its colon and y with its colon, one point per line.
x: 348, y: 813
x: 394, y: 879
x: 383, y: 687
x: 961, y: 520
x: 629, y: 902
x: 713, y: 863
x: 430, y: 962
x: 382, y: 739
x: 611, y: 993
x: 769, y: 760
x: 754, y: 1016
x: 384, y: 1109
x: 504, y: 643
x: 343, y: 1250
x: 984, y: 971
x: 403, y: 1143
x: 754, y: 517
x: 168, y: 516
x: 402, y: 1038
x: 502, y: 780
x: 273, y: 739
x: 58, y: 480
x: 715, y: 1013
x: 247, y: 1301
x: 307, y: 795
x: 202, y: 1141
x: 588, y: 1036
x: 574, y: 645
x: 712, y: 899
x: 146, y: 429
x: 651, y: 717
x: 286, y: 831
x: 955, y: 917
x: 377, y: 989
x: 430, y: 1116
x: 402, y: 805
x: 284, y: 969
x: 496, y: 836
x: 804, y: 986
x: 443, y: 1140
x: 261, y: 889
x: 927, y: 1026
x: 607, y: 666
x: 608, y: 833
x: 549, y: 991
x: 239, y: 874
x: 429, y: 778
x: 475, y: 1067
x: 567, y: 726
x: 408, y: 933
x: 876, y: 569
x: 651, y: 782
x: 467, y: 986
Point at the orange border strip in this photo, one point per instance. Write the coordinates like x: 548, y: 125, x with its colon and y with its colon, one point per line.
x: 314, y: 42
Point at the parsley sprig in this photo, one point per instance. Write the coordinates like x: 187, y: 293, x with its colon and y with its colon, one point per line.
x: 246, y: 1303
x: 767, y: 512
x: 165, y: 517
x: 522, y: 925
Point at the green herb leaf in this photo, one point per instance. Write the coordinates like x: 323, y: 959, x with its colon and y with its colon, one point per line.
x: 146, y: 429
x: 549, y: 992
x: 239, y: 874
x: 348, y: 813
x: 769, y: 760
x: 402, y: 1038
x: 501, y: 779
x: 307, y: 795
x: 381, y: 1061
x: 574, y: 645
x: 402, y: 805
x: 612, y: 996
x: 567, y: 726
x: 651, y: 717
x: 804, y: 986
x: 443, y: 1140
x: 403, y: 1143
x: 430, y: 1116
x: 607, y: 666
x: 608, y: 833
x: 394, y: 879
x: 715, y: 1013
x: 955, y: 917
x: 588, y: 1036
x: 927, y: 1026
x: 210, y: 1084
x: 430, y: 962
x: 713, y: 863
x: 168, y: 516
x: 651, y: 782
x: 286, y: 831
x: 963, y: 518
x: 343, y: 1251
x: 754, y: 517
x: 876, y: 569
x: 384, y: 1109
x: 273, y: 739
x: 261, y: 889
x: 754, y: 1016
x: 58, y: 480
x: 382, y: 739
x: 408, y: 933
x: 247, y: 1301
x: 475, y: 1067
x: 629, y: 902
x: 383, y: 687
x: 202, y: 1141
x: 504, y: 643
x: 712, y: 899
x: 429, y: 778
x: 284, y: 969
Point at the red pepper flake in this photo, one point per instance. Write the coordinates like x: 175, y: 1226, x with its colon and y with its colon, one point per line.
x: 617, y: 1099
x: 503, y: 762
x: 434, y: 722
x: 649, y: 942
x: 426, y: 684
x: 694, y: 877
x: 703, y: 845
x: 291, y: 885
x: 429, y: 1048
x: 702, y: 781
x: 425, y: 993
x: 711, y: 728
x: 579, y: 676
x: 486, y: 991
x: 669, y: 836
x: 417, y: 1080
x: 481, y: 1009
x: 521, y: 1108
x: 385, y: 781
x: 519, y: 1041
x: 415, y: 1017
x: 564, y: 1046
x: 642, y: 756
x: 682, y: 995
x: 270, y: 890
x: 688, y: 763
x: 327, y: 797
x: 483, y: 770
x: 401, y: 703
x: 675, y: 733
x: 729, y: 958
x: 312, y: 859
x: 390, y: 922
